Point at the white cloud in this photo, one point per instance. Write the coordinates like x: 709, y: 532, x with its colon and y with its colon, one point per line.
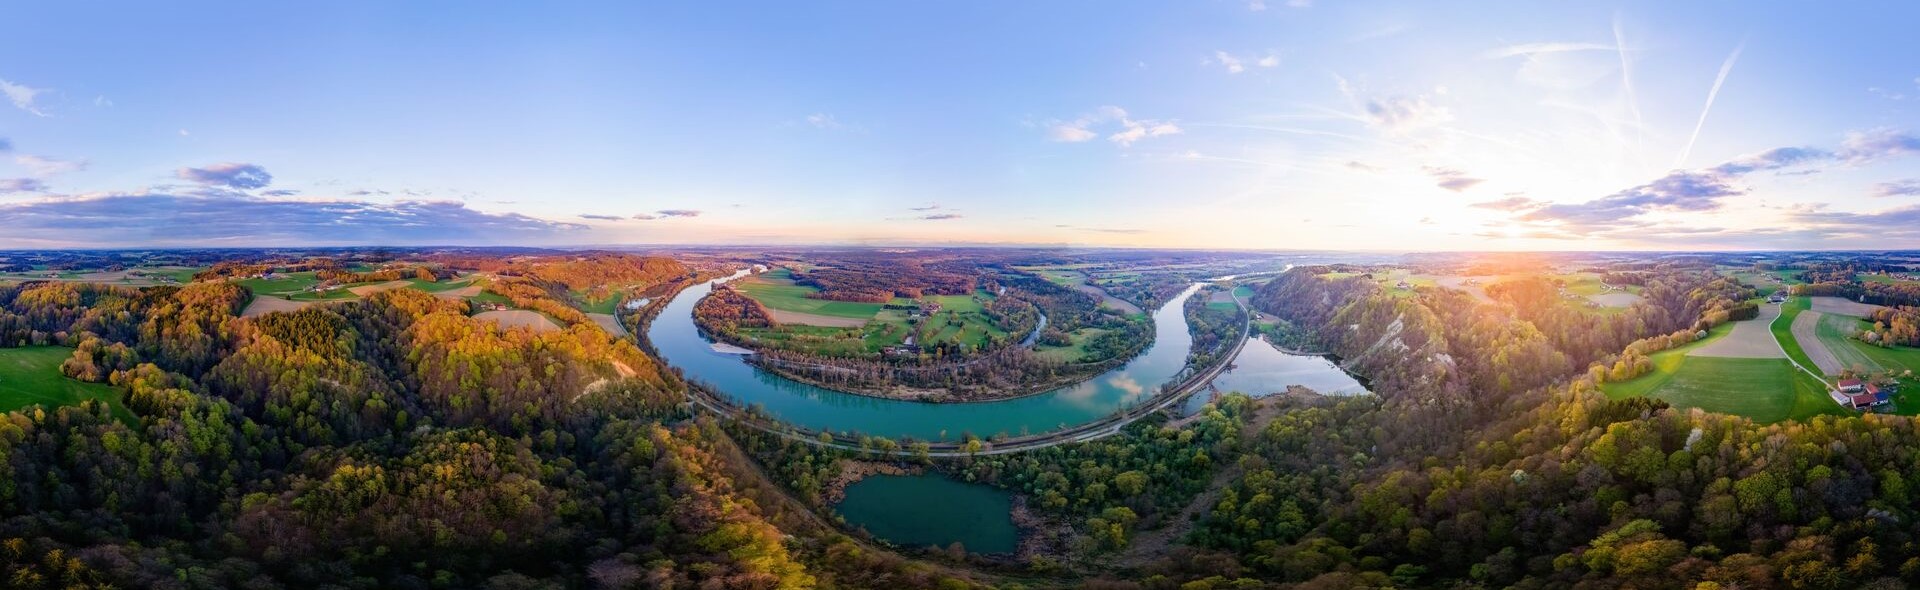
x: 1236, y: 64
x: 1137, y: 130
x: 47, y: 166
x: 1403, y: 114
x: 23, y: 96
x: 1091, y: 125
x: 1299, y: 3
x: 1070, y: 133
x: 1232, y: 63
x: 1256, y: 5
x: 823, y: 121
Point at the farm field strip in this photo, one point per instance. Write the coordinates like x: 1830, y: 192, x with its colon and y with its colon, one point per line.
x: 1747, y: 339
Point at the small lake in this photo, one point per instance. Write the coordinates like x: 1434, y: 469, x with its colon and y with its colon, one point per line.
x: 932, y: 510
x: 1263, y: 370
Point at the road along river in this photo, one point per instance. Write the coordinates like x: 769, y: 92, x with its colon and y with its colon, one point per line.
x: 678, y: 342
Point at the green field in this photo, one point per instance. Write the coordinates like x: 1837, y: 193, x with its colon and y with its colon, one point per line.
x: 776, y: 290
x: 438, y: 286
x: 282, y: 283
x: 1836, y: 331
x: 1074, y: 352
x: 1766, y: 390
x: 31, y: 376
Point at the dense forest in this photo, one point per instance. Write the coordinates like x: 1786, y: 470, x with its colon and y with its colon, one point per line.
x: 393, y: 442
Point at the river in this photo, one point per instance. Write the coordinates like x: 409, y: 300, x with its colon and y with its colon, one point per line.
x: 679, y: 343
x: 1261, y: 370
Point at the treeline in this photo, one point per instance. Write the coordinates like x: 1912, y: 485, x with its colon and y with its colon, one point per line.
x: 726, y: 310
x: 878, y: 278
x: 424, y: 273
x: 1214, y: 331
x: 1894, y: 326
x: 1889, y: 294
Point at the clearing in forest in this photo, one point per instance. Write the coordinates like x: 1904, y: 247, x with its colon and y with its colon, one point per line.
x: 31, y: 376
x: 777, y: 290
x: 266, y: 304
x: 1764, y: 389
x: 519, y: 318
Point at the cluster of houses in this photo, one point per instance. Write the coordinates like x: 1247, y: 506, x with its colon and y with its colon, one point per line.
x: 1861, y: 394
x: 480, y: 306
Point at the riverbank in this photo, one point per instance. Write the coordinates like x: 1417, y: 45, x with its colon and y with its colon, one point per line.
x: 852, y: 471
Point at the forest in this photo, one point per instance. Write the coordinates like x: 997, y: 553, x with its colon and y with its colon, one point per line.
x: 391, y: 442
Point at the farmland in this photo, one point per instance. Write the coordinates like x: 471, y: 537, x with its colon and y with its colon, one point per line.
x: 31, y: 376
x: 1764, y: 389
x: 776, y: 290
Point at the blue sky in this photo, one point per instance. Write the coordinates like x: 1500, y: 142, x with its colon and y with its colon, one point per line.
x: 1230, y: 123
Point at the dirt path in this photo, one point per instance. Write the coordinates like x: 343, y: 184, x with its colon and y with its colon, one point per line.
x: 1806, y: 330
x: 1750, y: 339
x: 266, y: 304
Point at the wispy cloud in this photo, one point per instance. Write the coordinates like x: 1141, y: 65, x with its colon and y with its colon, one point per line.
x: 1126, y: 130
x: 1898, y: 188
x: 1527, y: 49
x: 233, y: 175
x: 940, y: 216
x: 1510, y: 204
x: 1405, y: 114
x: 1703, y: 189
x: 928, y: 207
x: 43, y: 166
x: 1452, y: 179
x: 176, y: 220
x: 23, y: 97
x: 601, y: 217
x: 679, y: 212
x: 1236, y: 64
x: 823, y: 121
x: 21, y: 185
x: 1866, y: 146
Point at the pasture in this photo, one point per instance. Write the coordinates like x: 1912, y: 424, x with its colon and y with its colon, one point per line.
x: 31, y: 376
x: 776, y: 290
x: 1764, y: 389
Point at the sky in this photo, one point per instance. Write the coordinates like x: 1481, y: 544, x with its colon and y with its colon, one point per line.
x: 1258, y: 124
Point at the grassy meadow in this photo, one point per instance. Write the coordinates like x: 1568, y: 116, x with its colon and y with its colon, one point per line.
x: 31, y: 376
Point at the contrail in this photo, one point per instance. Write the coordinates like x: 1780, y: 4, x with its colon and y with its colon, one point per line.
x: 1626, y: 80
x: 1711, y: 94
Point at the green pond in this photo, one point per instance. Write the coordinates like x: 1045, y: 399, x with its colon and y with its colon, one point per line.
x: 932, y: 510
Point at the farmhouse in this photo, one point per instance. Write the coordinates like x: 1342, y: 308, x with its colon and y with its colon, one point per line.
x: 1859, y: 395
